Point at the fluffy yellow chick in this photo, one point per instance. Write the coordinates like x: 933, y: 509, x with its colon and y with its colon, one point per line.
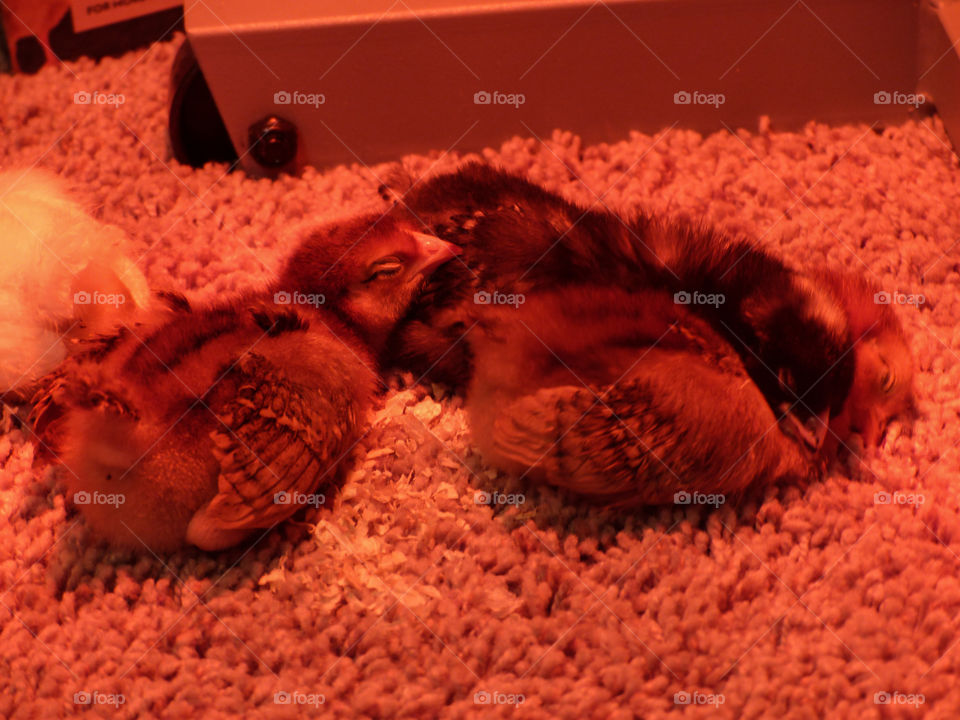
x: 62, y: 274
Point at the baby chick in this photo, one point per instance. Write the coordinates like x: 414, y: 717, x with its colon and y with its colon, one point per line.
x: 883, y: 380
x: 795, y: 337
x: 646, y: 400
x: 517, y: 237
x: 369, y: 270
x: 207, y: 424
x: 63, y: 275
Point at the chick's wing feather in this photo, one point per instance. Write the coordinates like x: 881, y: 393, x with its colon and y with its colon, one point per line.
x: 665, y: 428
x: 279, y: 440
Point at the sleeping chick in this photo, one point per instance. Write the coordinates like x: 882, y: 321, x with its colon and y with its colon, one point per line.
x: 324, y: 264
x: 883, y: 381
x: 518, y: 237
x: 795, y: 336
x: 207, y: 424
x: 645, y: 400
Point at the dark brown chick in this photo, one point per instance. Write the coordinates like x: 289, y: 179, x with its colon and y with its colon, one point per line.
x: 208, y: 424
x: 518, y: 237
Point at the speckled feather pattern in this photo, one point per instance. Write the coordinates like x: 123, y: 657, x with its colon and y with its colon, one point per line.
x: 293, y: 438
x: 407, y: 597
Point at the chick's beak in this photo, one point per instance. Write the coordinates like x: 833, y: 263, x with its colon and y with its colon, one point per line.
x: 875, y: 427
x: 432, y: 252
x: 816, y: 428
x: 810, y: 432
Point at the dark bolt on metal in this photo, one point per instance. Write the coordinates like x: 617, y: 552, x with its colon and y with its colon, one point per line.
x: 273, y: 141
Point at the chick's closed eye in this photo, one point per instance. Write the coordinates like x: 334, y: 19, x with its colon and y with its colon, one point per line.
x: 385, y: 268
x: 887, y: 377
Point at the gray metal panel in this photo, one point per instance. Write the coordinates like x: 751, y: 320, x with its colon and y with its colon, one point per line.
x: 407, y: 83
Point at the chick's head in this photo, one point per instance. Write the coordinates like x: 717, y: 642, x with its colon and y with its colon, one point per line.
x: 367, y: 270
x: 883, y: 381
